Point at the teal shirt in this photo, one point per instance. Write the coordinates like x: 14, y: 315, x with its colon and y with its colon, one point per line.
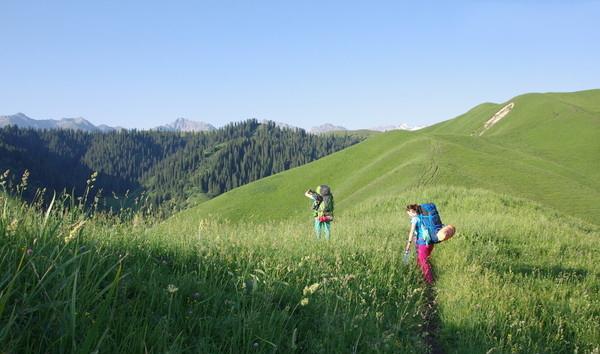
x: 418, y: 230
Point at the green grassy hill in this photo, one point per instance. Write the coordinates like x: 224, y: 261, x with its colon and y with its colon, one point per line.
x: 546, y: 149
x: 519, y: 276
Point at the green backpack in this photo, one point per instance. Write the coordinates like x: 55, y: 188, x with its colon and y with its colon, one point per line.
x: 324, y: 205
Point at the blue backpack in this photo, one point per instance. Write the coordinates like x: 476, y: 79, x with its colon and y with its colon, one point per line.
x: 431, y: 221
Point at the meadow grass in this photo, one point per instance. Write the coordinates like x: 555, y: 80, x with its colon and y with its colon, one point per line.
x: 73, y: 284
x: 517, y: 277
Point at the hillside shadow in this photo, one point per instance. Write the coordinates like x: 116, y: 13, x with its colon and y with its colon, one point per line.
x: 230, y: 300
x: 54, y: 166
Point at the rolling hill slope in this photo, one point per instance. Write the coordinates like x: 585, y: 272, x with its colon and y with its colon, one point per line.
x: 545, y: 149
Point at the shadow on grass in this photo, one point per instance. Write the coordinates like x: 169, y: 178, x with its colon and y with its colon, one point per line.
x: 185, y: 300
x: 554, y: 272
x: 486, y: 337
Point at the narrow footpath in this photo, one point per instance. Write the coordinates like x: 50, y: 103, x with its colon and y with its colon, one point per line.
x: 431, y: 322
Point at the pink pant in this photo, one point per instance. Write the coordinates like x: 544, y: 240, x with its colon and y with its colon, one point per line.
x: 423, y: 253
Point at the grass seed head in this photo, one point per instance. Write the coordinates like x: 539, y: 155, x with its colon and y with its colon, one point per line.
x: 74, y: 231
x: 172, y: 289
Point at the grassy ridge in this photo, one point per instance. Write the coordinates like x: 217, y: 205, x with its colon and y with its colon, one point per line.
x: 546, y: 149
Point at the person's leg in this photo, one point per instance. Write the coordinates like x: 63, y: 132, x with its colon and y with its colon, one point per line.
x: 317, y: 229
x: 327, y: 227
x: 423, y: 253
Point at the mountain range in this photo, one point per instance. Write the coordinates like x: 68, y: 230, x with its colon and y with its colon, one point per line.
x: 23, y: 121
x: 179, y: 125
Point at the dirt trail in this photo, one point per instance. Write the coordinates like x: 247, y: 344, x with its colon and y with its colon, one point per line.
x: 432, y: 169
x: 497, y: 117
x: 431, y: 321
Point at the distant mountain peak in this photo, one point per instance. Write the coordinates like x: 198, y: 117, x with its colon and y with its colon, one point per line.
x: 279, y: 124
x: 186, y: 125
x: 326, y: 128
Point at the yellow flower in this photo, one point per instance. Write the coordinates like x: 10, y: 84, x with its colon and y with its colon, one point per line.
x: 304, y: 301
x: 12, y: 227
x: 309, y: 290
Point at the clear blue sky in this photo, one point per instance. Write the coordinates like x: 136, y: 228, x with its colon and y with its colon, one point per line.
x: 353, y: 63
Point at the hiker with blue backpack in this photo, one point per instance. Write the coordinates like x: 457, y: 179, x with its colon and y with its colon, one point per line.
x: 322, y: 208
x: 426, y: 225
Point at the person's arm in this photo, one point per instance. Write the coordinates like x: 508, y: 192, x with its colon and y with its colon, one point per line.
x: 410, y: 237
x: 308, y: 194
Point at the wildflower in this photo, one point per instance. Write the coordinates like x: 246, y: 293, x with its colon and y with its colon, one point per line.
x: 348, y: 278
x: 24, y: 181
x: 74, y: 231
x: 3, y: 178
x: 97, y: 198
x: 172, y: 289
x: 29, y: 251
x: 304, y: 301
x: 309, y: 290
x: 12, y: 227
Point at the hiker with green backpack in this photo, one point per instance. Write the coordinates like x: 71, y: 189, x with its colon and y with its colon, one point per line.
x: 322, y: 207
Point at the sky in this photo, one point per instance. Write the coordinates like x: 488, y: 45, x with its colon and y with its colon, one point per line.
x: 359, y: 64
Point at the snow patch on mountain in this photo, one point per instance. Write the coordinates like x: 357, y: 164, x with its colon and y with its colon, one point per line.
x: 402, y: 126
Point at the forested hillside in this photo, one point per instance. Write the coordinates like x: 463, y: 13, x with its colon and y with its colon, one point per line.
x: 161, y: 166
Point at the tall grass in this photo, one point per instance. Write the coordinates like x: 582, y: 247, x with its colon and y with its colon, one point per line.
x: 516, y: 278
x: 73, y: 284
